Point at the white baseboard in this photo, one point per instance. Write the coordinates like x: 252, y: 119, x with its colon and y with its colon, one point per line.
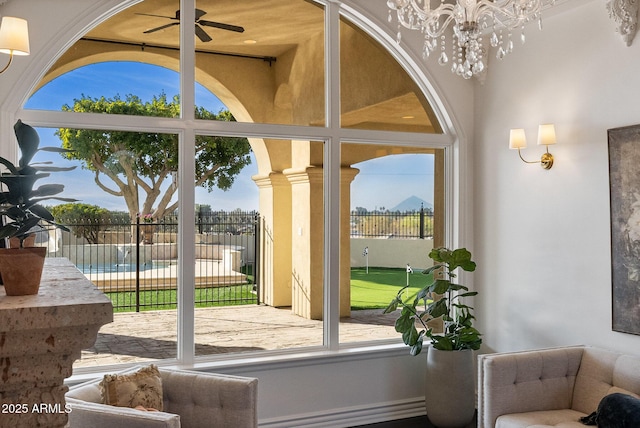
x: 346, y: 417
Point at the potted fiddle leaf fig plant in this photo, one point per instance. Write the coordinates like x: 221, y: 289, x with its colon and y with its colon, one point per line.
x: 22, y: 212
x: 440, y: 299
x: 450, y: 383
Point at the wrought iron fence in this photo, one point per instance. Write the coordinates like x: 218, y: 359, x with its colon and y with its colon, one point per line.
x: 135, y: 262
x: 405, y: 225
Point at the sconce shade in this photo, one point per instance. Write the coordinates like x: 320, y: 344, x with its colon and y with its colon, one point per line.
x: 517, y: 139
x: 14, y: 36
x: 546, y: 135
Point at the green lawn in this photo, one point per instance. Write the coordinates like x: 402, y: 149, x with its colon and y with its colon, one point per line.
x: 373, y: 290
x: 149, y: 300
x: 377, y: 288
x: 238, y: 294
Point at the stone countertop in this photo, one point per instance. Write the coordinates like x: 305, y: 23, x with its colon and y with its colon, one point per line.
x: 40, y: 338
x: 66, y: 298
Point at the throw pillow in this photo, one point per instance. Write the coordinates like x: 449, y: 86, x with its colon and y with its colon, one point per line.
x: 615, y: 411
x: 141, y: 388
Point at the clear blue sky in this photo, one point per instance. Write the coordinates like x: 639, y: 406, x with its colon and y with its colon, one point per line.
x: 381, y: 182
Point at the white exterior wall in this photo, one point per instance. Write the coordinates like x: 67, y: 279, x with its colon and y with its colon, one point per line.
x: 393, y: 253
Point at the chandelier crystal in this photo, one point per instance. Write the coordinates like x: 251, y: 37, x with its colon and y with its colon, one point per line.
x: 470, y: 20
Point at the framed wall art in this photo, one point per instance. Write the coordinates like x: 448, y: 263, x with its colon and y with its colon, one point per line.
x: 624, y: 181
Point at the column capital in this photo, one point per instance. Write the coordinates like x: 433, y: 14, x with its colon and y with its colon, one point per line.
x: 348, y: 173
x: 309, y: 174
x: 273, y: 179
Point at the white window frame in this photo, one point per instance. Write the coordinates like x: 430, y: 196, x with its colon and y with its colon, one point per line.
x: 187, y: 127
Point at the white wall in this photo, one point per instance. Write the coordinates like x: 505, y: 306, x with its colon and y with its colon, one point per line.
x: 338, y: 391
x: 542, y: 238
x: 315, y: 388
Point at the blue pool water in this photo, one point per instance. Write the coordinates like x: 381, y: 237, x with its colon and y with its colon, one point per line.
x: 115, y: 268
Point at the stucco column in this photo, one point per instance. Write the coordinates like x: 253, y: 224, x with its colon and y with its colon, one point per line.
x: 308, y: 241
x: 275, y: 239
x: 347, y: 174
x: 307, y: 226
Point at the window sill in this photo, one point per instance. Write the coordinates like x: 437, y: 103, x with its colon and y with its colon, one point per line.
x: 261, y: 361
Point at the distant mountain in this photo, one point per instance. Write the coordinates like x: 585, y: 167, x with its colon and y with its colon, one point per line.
x: 412, y: 203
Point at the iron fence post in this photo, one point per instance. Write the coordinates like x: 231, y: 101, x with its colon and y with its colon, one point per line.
x: 421, y: 221
x: 137, y: 263
x: 256, y: 262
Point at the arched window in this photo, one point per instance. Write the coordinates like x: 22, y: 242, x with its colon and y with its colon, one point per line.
x: 332, y: 154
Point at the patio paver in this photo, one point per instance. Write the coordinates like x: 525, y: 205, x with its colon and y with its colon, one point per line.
x: 151, y: 335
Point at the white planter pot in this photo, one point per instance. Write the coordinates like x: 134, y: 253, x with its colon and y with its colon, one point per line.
x: 450, y: 388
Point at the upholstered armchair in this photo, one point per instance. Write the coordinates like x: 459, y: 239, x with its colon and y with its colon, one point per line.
x: 550, y: 387
x: 190, y: 400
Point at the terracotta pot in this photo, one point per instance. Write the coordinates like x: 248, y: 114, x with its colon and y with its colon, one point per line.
x: 450, y: 388
x: 29, y: 242
x: 21, y: 270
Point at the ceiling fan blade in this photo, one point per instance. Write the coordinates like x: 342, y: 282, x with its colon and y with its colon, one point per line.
x: 222, y: 26
x: 202, y: 35
x: 153, y: 30
x: 200, y: 13
x: 157, y: 16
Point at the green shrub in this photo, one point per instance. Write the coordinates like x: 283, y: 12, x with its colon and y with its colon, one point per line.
x: 85, y: 221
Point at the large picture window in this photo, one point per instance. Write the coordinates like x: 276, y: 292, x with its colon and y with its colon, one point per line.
x: 232, y: 185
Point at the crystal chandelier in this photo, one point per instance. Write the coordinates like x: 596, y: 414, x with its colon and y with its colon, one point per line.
x: 470, y: 20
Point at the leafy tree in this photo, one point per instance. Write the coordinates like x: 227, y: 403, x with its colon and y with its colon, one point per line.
x: 84, y: 220
x: 140, y: 166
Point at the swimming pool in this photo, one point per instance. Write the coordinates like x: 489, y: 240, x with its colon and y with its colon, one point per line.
x: 120, y: 267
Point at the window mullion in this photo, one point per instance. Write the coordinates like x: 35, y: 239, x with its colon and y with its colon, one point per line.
x: 332, y: 180
x: 186, y: 190
x: 187, y: 60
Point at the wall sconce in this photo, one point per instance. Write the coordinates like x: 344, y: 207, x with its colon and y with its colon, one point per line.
x: 14, y: 38
x: 546, y: 137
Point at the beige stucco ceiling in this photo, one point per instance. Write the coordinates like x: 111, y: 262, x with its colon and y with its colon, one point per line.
x: 272, y: 29
x: 274, y: 25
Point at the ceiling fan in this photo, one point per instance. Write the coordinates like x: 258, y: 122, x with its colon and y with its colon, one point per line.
x: 202, y: 35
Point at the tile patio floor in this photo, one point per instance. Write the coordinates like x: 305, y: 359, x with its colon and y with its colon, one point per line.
x: 151, y: 335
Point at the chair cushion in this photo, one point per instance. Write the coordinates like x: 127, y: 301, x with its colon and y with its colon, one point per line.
x: 141, y: 388
x: 547, y: 418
